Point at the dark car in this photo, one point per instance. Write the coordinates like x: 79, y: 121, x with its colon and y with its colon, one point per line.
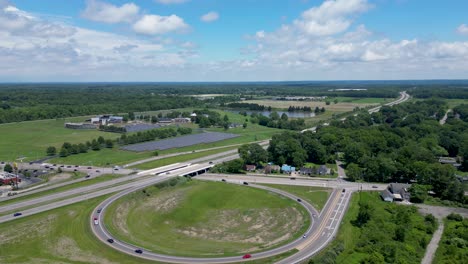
x: 245, y: 183
x: 99, y: 210
x: 139, y: 251
x: 31, y: 163
x: 3, y: 162
x: 246, y: 256
x: 98, y: 171
x: 223, y: 180
x: 68, y: 166
x: 344, y: 190
x: 299, y: 200
x: 17, y: 214
x: 110, y: 240
x: 77, y: 166
x: 46, y: 167
x: 61, y: 166
x: 90, y: 168
x: 210, y: 162
x: 54, y: 165
x: 87, y: 176
x: 34, y: 170
x: 292, y: 178
x: 373, y: 186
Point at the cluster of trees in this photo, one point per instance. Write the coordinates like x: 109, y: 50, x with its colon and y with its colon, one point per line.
x: 277, y: 121
x: 68, y: 149
x: 252, y: 154
x: 446, y: 92
x: 47, y: 101
x: 461, y: 111
x: 383, y: 233
x: 113, y: 129
x: 148, y: 135
x: 252, y: 107
x: 299, y: 109
x: 206, y: 118
x: 397, y: 144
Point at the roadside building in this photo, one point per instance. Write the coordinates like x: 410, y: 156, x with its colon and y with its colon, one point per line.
x: 288, y: 169
x: 80, y: 125
x: 307, y: 171
x: 8, y: 178
x: 271, y: 168
x: 181, y: 120
x: 250, y: 167
x: 396, y: 192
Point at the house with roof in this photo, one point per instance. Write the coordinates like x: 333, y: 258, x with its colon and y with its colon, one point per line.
x: 287, y: 169
x: 250, y: 167
x: 396, y: 192
x: 271, y: 168
x: 450, y: 161
x: 321, y: 170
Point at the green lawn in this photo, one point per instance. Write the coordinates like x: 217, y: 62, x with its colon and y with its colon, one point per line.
x: 376, y: 241
x: 88, y: 182
x: 209, y: 219
x: 316, y: 196
x: 31, y: 138
x: 61, y: 235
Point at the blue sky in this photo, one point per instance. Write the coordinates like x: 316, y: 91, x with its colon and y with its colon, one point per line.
x: 224, y: 40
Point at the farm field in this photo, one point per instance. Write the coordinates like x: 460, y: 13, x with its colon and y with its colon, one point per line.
x: 316, y: 196
x: 31, y: 138
x: 205, y: 219
x: 61, y: 235
x: 340, y: 107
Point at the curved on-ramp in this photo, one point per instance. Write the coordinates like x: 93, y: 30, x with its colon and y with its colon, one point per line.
x: 103, y: 234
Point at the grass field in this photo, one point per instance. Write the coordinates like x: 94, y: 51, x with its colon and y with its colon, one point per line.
x: 375, y: 241
x: 61, y: 235
x: 179, y: 158
x: 316, y: 196
x: 340, y: 107
x: 31, y: 138
x: 356, y: 100
x: 208, y: 219
x: 88, y: 182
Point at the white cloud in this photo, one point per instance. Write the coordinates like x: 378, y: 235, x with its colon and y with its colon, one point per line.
x: 331, y: 17
x: 210, y: 17
x: 168, y: 2
x: 109, y: 13
x: 154, y: 24
x: 463, y: 29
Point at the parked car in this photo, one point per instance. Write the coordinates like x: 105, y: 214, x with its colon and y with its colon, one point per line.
x: 87, y: 176
x: 373, y: 186
x: 223, y: 180
x: 344, y: 190
x: 98, y: 171
x: 89, y: 168
x: 110, y: 240
x: 77, y: 166
x: 246, y: 256
x: 210, y: 162
x: 245, y: 183
x: 68, y: 166
x: 17, y: 214
x: 139, y: 251
x: 75, y: 170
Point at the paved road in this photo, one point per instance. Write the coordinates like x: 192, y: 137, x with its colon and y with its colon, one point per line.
x: 444, y: 119
x: 101, y: 232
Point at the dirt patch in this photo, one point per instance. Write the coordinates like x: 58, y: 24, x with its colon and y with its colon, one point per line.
x: 261, y: 227
x: 120, y: 218
x: 164, y: 202
x: 67, y: 248
x: 60, y: 177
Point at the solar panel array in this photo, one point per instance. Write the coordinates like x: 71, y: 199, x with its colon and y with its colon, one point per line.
x: 141, y: 127
x: 179, y: 142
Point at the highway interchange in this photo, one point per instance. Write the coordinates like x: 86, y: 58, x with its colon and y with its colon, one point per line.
x: 322, y: 230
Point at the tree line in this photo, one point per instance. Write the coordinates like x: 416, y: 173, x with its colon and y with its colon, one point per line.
x: 398, y: 144
x: 277, y: 121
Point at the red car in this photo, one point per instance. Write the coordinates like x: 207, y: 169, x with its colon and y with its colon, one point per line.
x: 246, y: 256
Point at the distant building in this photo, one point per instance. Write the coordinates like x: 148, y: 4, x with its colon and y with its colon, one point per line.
x: 321, y: 170
x: 164, y: 120
x: 250, y: 167
x: 396, y: 192
x: 8, y: 178
x: 271, y: 168
x: 80, y: 126
x: 106, y: 119
x: 181, y: 120
x: 288, y: 169
x: 450, y: 161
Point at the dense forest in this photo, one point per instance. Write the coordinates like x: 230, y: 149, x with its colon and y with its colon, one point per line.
x: 397, y: 144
